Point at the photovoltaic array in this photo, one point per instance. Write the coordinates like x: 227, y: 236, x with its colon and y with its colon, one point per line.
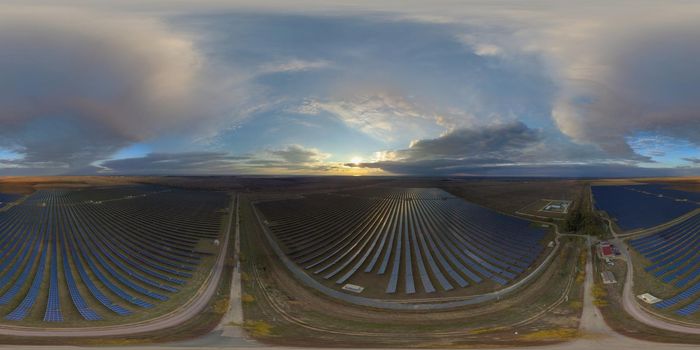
x: 641, y: 206
x: 417, y: 239
x: 674, y: 254
x: 102, y: 252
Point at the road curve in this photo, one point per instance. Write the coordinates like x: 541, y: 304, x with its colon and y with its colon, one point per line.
x: 629, y: 301
x: 188, y: 310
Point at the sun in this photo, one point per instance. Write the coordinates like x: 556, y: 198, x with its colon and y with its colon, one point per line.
x: 356, y: 160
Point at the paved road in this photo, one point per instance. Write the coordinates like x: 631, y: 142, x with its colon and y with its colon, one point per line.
x: 194, y: 306
x: 629, y: 301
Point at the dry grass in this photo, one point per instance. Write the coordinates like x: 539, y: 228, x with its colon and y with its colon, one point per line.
x: 245, y: 277
x: 509, y: 196
x: 581, y: 275
x: 258, y: 328
x: 576, y: 305
x: 247, y: 298
x: 484, y: 330
x: 551, y: 334
x: 600, y: 295
x: 221, y: 306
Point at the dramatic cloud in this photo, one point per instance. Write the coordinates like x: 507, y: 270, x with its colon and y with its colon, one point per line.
x: 382, y: 116
x: 78, y: 85
x: 292, y: 159
x: 488, y: 145
x: 297, y: 154
x: 175, y: 163
x: 479, y: 88
x: 648, y: 84
x: 489, y: 149
x: 500, y: 140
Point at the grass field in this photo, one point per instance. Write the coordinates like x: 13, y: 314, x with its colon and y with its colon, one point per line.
x: 537, y: 210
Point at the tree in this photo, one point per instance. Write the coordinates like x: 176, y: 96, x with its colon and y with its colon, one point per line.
x: 582, y: 218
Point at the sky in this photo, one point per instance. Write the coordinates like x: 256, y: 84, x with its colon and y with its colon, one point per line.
x: 439, y: 88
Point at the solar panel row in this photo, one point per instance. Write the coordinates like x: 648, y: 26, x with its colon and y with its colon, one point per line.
x: 421, y: 239
x: 674, y: 254
x: 110, y: 250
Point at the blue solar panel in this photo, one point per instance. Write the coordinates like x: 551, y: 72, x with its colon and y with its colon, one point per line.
x: 141, y: 247
x: 653, y: 204
x: 675, y: 256
x: 420, y: 236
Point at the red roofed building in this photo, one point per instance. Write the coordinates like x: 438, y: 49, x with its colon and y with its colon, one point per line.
x: 606, y: 251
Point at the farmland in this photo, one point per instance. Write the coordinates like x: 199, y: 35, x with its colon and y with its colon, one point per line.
x: 406, y: 243
x: 105, y: 255
x: 641, y: 206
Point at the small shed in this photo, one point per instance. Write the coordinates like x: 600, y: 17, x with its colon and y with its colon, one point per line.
x: 648, y: 298
x: 353, y: 288
x: 608, y: 277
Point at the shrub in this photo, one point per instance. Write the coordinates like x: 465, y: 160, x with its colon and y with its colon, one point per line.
x: 552, y: 334
x: 245, y: 277
x: 221, y: 306
x: 258, y: 328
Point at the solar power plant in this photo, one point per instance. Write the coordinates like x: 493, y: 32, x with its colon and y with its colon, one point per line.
x: 100, y: 254
x: 642, y: 206
x: 7, y: 198
x: 674, y: 256
x: 403, y: 241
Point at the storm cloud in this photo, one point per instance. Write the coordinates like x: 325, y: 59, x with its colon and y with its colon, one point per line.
x: 78, y: 85
x: 646, y: 80
x: 293, y: 159
x: 499, y: 148
x: 175, y: 163
x: 492, y: 141
x: 299, y: 154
